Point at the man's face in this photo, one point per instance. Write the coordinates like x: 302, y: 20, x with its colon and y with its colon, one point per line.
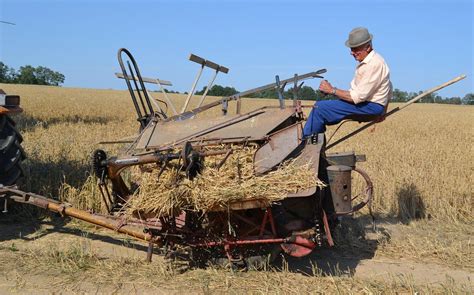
x: 360, y: 52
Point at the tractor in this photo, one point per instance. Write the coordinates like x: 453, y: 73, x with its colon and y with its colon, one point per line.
x: 11, y: 152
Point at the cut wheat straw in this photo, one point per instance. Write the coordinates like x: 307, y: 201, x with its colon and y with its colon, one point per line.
x: 216, y: 189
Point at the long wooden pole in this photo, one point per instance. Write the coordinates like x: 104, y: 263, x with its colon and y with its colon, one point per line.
x: 393, y: 111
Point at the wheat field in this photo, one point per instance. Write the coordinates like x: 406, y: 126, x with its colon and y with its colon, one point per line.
x: 420, y: 160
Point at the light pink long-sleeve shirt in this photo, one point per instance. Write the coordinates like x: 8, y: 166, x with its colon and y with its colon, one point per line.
x: 371, y: 80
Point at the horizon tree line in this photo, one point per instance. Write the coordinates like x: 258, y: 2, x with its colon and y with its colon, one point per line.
x: 44, y: 76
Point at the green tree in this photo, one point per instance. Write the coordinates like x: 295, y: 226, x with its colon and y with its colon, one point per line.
x: 468, y: 99
x: 7, y: 74
x: 430, y: 98
x: 45, y: 76
x: 453, y: 100
x: 38, y: 76
x: 399, y: 96
x: 305, y: 93
x: 26, y: 75
x: 269, y: 93
x: 218, y: 90
x: 171, y: 91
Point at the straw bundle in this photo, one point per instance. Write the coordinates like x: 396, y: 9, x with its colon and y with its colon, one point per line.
x: 217, y: 188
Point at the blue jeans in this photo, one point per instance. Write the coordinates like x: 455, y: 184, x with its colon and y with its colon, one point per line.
x: 330, y: 112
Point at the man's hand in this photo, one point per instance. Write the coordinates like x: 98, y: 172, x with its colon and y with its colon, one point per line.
x: 325, y: 87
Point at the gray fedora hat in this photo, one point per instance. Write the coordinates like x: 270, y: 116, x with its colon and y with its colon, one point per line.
x: 358, y: 36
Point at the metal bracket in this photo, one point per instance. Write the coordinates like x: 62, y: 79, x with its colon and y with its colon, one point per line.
x: 146, y: 80
x: 5, y: 206
x: 160, y: 84
x: 280, y: 89
x: 296, y: 89
x: 225, y: 106
x: 360, y: 158
x: 238, y: 107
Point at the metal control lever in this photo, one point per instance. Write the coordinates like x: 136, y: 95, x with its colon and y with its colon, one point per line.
x: 204, y: 63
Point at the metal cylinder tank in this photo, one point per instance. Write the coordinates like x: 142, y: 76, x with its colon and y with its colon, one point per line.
x: 340, y: 184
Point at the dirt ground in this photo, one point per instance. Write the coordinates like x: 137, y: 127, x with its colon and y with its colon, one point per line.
x: 55, y: 257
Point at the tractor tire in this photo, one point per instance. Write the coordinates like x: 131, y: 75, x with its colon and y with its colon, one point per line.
x: 11, y: 152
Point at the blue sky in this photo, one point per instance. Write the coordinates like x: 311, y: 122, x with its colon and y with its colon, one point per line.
x: 425, y: 43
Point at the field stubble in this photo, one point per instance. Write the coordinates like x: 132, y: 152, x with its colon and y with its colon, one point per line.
x: 78, y: 264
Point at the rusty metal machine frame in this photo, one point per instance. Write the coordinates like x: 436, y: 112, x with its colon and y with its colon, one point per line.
x: 298, y: 224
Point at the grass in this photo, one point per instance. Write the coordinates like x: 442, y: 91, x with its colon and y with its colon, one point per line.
x: 419, y: 162
x: 443, y: 243
x: 78, y: 264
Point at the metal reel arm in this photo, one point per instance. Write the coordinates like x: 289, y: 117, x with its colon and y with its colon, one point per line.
x: 369, y: 189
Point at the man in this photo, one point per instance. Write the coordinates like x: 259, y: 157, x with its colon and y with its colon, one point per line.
x: 368, y: 95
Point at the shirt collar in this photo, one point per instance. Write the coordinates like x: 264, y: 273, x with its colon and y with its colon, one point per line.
x: 368, y: 57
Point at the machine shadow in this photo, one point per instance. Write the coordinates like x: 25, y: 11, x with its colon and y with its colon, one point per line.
x: 12, y: 228
x: 410, y: 203
x: 353, y: 243
x: 16, y: 227
x: 43, y: 178
x: 47, y: 177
